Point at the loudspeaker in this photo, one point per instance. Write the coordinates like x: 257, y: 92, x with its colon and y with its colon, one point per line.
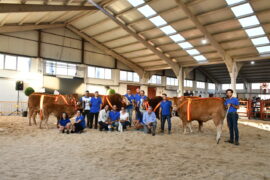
x: 19, y: 85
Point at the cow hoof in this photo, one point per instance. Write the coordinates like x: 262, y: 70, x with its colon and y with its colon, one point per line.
x: 218, y: 141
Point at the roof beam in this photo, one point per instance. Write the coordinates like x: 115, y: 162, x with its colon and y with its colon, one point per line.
x: 173, y: 65
x: 156, y: 68
x: 120, y: 58
x: 20, y: 8
x: 208, y: 75
x: 7, y: 29
x: 227, y: 59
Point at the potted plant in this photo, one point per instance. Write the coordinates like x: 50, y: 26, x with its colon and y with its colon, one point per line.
x: 28, y: 91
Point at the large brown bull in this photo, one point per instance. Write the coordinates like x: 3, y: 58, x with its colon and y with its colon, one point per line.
x: 35, y: 104
x: 202, y: 110
x: 115, y: 99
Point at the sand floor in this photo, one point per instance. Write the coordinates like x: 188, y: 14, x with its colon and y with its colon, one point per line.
x: 31, y: 153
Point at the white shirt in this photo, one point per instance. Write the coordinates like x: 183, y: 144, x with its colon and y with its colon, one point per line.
x: 124, y: 116
x: 86, y: 101
x: 103, y: 115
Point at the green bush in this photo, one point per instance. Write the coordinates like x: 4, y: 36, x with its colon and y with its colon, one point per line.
x: 110, y: 91
x: 28, y: 91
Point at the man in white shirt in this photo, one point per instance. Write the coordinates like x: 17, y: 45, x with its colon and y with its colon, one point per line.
x: 103, y: 118
x: 85, y: 101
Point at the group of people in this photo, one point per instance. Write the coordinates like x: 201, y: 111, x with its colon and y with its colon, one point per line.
x: 113, y: 119
x: 145, y: 117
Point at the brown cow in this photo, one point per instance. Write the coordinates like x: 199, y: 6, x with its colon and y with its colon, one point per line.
x: 202, y: 110
x: 34, y: 102
x: 115, y: 99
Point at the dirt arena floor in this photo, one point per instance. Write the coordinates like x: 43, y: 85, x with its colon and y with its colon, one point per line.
x: 31, y: 153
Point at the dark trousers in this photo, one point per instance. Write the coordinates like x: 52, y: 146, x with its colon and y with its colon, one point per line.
x: 92, y: 116
x: 78, y: 128
x: 103, y: 125
x: 163, y: 121
x: 232, y: 120
x: 86, y: 113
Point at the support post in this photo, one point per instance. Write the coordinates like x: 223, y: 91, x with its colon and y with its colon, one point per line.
x: 180, y: 78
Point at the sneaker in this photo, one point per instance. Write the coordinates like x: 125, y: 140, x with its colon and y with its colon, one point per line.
x: 229, y: 141
x: 236, y: 143
x: 63, y: 131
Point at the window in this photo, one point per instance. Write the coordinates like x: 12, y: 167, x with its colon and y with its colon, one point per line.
x: 264, y: 96
x: 99, y: 73
x: 155, y: 79
x: 193, y: 52
x: 258, y: 31
x: 168, y: 30
x: 249, y: 21
x: 242, y: 10
x: 188, y: 83
x: 263, y: 49
x: 185, y: 45
x: 231, y: 2
x: 23, y: 64
x: 129, y: 76
x: 260, y: 41
x: 135, y: 3
x: 225, y: 86
x: 50, y: 67
x: 1, y: 61
x: 211, y: 86
x: 240, y: 86
x: 201, y: 85
x: 10, y: 62
x: 177, y: 38
x: 158, y: 21
x: 61, y: 68
x: 171, y: 81
x: 199, y: 58
x: 256, y: 86
x: 147, y: 11
x: 72, y: 70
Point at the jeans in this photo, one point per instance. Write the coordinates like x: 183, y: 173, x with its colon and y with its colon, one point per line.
x: 153, y: 127
x: 86, y: 113
x: 232, y: 120
x: 130, y: 111
x: 92, y: 115
x: 163, y: 120
x: 124, y: 124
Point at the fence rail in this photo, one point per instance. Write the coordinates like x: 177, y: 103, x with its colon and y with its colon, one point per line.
x: 7, y: 107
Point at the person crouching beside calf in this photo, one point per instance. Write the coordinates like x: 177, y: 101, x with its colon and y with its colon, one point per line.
x: 149, y: 121
x: 79, y: 124
x: 103, y: 119
x: 64, y: 123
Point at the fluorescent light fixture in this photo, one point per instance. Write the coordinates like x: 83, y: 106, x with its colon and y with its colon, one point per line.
x: 185, y: 45
x: 252, y: 62
x: 255, y: 31
x: 249, y: 21
x: 158, y: 21
x: 136, y: 3
x: 147, y: 11
x: 242, y: 10
x: 260, y: 41
x: 204, y: 41
x: 231, y: 2
x: 200, y: 58
x: 263, y: 49
x: 193, y: 52
x: 168, y: 30
x: 177, y: 38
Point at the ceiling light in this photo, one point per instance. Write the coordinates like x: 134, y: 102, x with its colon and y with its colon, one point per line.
x: 177, y: 38
x: 204, y: 41
x: 168, y: 30
x: 242, y: 10
x: 231, y: 2
x: 260, y: 41
x: 252, y: 62
x: 200, y: 58
x: 185, y: 45
x: 193, y: 52
x: 263, y: 49
x: 158, y: 21
x: 147, y: 11
x: 135, y: 3
x: 249, y: 21
x: 255, y: 31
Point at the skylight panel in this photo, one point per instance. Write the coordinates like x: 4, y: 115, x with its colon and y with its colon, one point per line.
x: 177, y: 38
x: 255, y: 31
x: 185, y: 45
x: 158, y: 21
x: 147, y: 11
x: 193, y: 52
x: 200, y: 58
x: 249, y: 21
x: 136, y: 3
x: 242, y: 10
x: 168, y: 29
x: 263, y: 49
x: 232, y: 2
x: 260, y: 41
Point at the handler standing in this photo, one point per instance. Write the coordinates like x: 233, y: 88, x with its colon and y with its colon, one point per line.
x: 232, y: 117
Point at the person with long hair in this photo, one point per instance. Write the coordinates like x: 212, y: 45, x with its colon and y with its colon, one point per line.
x: 64, y: 123
x: 79, y: 124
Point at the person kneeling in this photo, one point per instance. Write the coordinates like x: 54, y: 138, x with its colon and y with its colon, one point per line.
x: 79, y: 123
x: 64, y: 123
x: 114, y: 117
x: 149, y: 121
x: 103, y: 118
x: 124, y: 118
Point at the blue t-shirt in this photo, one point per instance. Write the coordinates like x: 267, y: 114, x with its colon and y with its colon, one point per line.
x: 130, y: 99
x: 166, y: 108
x: 95, y: 104
x: 233, y: 101
x: 114, y: 115
x: 64, y: 122
x: 81, y: 119
x: 137, y: 98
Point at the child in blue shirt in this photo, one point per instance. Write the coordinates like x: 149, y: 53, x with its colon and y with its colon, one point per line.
x: 64, y: 123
